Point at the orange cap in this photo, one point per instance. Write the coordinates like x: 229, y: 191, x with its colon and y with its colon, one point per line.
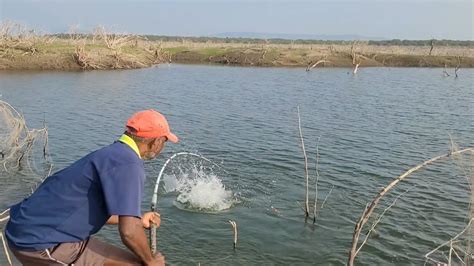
x: 150, y: 124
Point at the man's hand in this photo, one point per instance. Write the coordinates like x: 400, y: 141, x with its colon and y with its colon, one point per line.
x: 151, y: 218
x: 158, y: 260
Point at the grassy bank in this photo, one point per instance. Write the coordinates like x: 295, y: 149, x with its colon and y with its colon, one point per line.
x: 23, y: 49
x: 75, y: 55
x: 326, y: 55
x: 111, y: 51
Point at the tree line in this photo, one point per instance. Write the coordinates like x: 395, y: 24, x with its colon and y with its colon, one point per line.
x: 397, y: 42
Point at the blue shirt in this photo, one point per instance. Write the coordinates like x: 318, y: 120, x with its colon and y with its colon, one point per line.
x: 77, y: 201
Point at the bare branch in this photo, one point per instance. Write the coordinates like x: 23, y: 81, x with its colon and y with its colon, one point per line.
x: 113, y: 41
x: 356, y: 68
x: 317, y: 180
x: 311, y: 66
x: 445, y: 71
x: 432, y: 46
x: 6, y: 249
x: 234, y: 229
x: 371, y: 207
x: 305, y: 164
x: 457, y: 67
x: 449, y: 242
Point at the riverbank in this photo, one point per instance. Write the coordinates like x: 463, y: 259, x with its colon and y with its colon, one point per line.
x: 86, y: 54
x: 72, y: 55
x: 304, y: 57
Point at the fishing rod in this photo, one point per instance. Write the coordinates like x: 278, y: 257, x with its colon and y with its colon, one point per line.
x: 154, y: 198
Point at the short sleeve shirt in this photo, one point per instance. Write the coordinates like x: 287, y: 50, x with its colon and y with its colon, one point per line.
x: 76, y: 202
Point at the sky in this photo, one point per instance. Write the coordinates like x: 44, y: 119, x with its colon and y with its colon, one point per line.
x: 390, y: 19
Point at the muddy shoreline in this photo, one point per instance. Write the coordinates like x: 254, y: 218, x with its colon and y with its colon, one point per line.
x: 69, y: 57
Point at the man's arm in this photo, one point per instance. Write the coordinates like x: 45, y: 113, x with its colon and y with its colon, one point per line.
x: 114, y: 219
x: 148, y: 218
x: 133, y: 236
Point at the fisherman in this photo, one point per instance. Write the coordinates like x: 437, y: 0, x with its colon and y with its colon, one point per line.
x: 54, y: 226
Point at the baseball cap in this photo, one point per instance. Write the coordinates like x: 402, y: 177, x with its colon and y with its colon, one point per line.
x: 150, y: 124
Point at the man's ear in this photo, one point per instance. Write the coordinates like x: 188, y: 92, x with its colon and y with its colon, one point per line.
x: 152, y: 143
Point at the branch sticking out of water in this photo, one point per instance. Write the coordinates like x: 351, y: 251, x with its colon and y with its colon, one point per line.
x: 311, y: 66
x: 457, y: 67
x: 445, y: 71
x: 317, y: 180
x: 370, y: 207
x: 305, y: 165
x: 356, y: 68
x: 306, y: 208
x: 234, y: 229
x: 451, y: 248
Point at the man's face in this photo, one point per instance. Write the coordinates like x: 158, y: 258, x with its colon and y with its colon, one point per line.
x: 154, y: 148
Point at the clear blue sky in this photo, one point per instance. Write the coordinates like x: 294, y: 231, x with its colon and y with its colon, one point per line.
x: 402, y: 19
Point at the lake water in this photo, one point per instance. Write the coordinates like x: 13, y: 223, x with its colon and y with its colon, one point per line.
x: 372, y: 127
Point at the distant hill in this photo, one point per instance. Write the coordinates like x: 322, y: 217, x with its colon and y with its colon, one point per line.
x: 286, y: 36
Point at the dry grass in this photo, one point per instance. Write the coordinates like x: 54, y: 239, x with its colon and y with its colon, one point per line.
x: 330, y: 49
x: 305, y: 55
x: 21, y: 48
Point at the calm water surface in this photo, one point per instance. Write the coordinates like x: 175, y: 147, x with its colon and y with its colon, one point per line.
x: 372, y: 127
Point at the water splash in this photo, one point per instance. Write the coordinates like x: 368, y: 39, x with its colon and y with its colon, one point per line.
x: 199, y: 191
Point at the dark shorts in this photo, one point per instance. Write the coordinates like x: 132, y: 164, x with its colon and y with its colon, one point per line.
x: 88, y: 252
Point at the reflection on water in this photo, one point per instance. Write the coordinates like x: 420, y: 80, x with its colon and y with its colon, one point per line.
x: 373, y: 127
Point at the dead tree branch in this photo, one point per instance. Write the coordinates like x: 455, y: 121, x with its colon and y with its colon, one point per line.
x: 113, y: 41
x: 457, y: 67
x: 316, y: 185
x: 305, y: 165
x: 449, y: 243
x: 355, y: 58
x: 432, y: 46
x: 83, y: 59
x: 234, y: 229
x: 355, y: 248
x: 311, y: 66
x: 356, y: 68
x: 445, y: 71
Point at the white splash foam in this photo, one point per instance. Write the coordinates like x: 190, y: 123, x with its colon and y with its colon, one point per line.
x: 198, y: 191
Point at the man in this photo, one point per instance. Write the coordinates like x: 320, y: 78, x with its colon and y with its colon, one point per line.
x: 54, y: 225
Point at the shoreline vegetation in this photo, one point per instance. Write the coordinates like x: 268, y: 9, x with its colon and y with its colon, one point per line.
x: 22, y: 49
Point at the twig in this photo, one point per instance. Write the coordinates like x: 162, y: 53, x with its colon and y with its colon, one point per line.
x: 305, y: 164
x: 6, y: 249
x: 445, y: 71
x: 317, y: 180
x: 432, y: 46
x: 234, y: 229
x: 311, y: 66
x: 356, y: 68
x: 327, y: 196
x: 301, y: 206
x: 457, y: 67
x: 427, y: 256
x: 377, y: 221
x: 450, y: 252
x: 5, y: 211
x: 457, y: 255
